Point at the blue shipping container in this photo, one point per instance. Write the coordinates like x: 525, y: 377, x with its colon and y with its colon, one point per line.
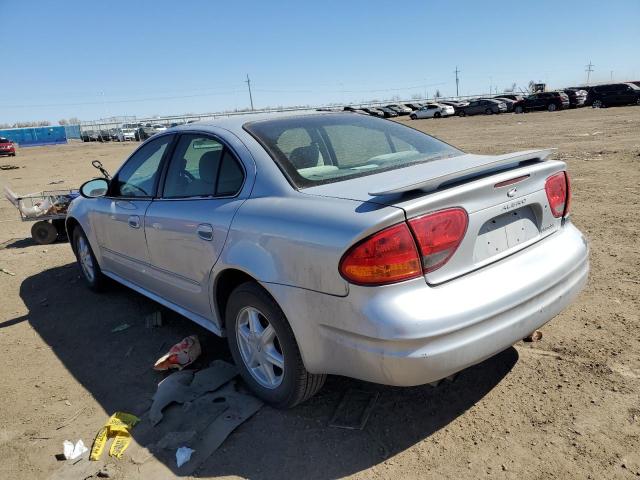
x: 26, y: 137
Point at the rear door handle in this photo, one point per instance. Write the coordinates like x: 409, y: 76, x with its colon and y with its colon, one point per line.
x: 134, y: 221
x: 205, y: 231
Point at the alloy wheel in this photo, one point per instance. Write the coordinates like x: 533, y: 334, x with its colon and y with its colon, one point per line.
x: 86, y: 262
x: 259, y: 347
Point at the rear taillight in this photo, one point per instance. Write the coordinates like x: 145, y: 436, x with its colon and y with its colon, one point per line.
x: 388, y: 256
x: 392, y: 255
x: 438, y: 235
x: 558, y: 189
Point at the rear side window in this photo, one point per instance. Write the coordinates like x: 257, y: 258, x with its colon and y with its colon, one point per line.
x: 317, y: 149
x: 202, y: 167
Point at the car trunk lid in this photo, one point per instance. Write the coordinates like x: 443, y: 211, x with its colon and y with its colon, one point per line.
x: 503, y: 195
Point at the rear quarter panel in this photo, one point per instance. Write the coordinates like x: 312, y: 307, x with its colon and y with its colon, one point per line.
x: 298, y: 240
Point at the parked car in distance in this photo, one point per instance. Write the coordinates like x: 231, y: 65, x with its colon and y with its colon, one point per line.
x: 392, y: 257
x: 433, y: 110
x: 7, y: 147
x: 376, y: 112
x: 104, y: 136
x: 511, y: 96
x: 513, y: 105
x: 415, y: 105
x: 388, y: 112
x: 550, y: 101
x: 400, y: 109
x: 457, y: 106
x: 614, y: 94
x: 359, y: 110
x: 577, y: 97
x: 487, y: 106
x: 145, y: 132
x: 127, y: 132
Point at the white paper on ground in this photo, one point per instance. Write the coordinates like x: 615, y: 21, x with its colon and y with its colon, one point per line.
x: 71, y: 451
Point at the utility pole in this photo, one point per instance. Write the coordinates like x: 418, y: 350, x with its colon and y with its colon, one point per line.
x: 611, y: 71
x: 457, y: 81
x: 248, y: 82
x: 589, y: 69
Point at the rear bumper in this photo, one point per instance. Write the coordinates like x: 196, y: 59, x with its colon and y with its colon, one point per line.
x: 411, y: 333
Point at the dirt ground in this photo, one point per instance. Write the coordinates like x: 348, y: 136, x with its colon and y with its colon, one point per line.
x: 565, y: 407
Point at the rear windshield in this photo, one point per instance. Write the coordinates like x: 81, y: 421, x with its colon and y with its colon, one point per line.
x: 317, y: 149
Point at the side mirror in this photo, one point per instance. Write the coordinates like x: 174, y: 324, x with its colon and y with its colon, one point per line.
x: 98, y: 187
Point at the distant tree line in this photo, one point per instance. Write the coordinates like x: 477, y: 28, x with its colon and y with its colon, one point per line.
x: 40, y: 123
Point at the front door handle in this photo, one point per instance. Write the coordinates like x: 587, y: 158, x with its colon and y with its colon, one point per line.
x: 134, y: 221
x: 205, y: 231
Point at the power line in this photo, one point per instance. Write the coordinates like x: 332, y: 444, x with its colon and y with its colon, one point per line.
x: 589, y: 69
x: 248, y: 82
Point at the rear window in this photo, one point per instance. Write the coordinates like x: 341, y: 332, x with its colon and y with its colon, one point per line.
x: 317, y: 149
x: 4, y: 140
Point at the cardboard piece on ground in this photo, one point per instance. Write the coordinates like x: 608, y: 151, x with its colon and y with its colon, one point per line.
x: 184, y: 386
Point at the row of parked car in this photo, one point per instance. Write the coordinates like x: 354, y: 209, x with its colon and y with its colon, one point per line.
x: 599, y: 96
x: 127, y: 132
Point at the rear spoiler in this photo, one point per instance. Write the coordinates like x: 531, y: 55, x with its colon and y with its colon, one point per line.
x: 444, y: 173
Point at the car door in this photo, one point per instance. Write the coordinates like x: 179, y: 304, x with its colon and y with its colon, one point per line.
x: 472, y: 108
x: 187, y: 226
x: 118, y: 219
x: 625, y: 94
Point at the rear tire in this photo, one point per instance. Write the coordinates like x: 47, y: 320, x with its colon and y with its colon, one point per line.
x: 597, y: 104
x: 413, y: 116
x: 518, y: 109
x: 461, y: 113
x: 250, y: 313
x: 44, y: 233
x: 552, y: 107
x: 87, y: 262
x: 488, y: 111
x: 437, y: 115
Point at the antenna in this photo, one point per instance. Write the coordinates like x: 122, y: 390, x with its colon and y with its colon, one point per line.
x: 589, y: 69
x: 457, y: 80
x: 248, y: 82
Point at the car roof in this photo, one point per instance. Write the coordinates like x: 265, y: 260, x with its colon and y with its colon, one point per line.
x: 235, y: 122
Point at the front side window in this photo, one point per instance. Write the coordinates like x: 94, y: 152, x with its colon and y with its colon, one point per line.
x: 317, y: 149
x: 137, y: 178
x: 202, y: 167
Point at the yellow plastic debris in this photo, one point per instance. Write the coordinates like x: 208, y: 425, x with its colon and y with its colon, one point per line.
x: 117, y: 427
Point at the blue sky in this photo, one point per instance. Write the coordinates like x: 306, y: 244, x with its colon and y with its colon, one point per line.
x: 93, y: 59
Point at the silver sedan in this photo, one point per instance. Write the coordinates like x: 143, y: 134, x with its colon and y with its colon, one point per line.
x: 336, y: 243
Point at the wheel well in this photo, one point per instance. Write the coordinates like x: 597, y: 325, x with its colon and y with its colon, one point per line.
x: 227, y: 281
x: 71, y: 224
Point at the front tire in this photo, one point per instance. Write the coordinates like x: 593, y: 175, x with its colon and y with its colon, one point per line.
x: 461, y: 113
x: 552, y: 107
x: 87, y: 262
x: 518, y: 109
x: 597, y: 104
x: 413, y: 116
x: 437, y: 115
x: 265, y: 350
x: 488, y: 111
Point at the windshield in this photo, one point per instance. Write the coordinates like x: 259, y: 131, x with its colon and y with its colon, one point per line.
x: 318, y: 149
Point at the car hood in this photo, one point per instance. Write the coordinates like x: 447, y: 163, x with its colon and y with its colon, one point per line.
x: 385, y: 187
